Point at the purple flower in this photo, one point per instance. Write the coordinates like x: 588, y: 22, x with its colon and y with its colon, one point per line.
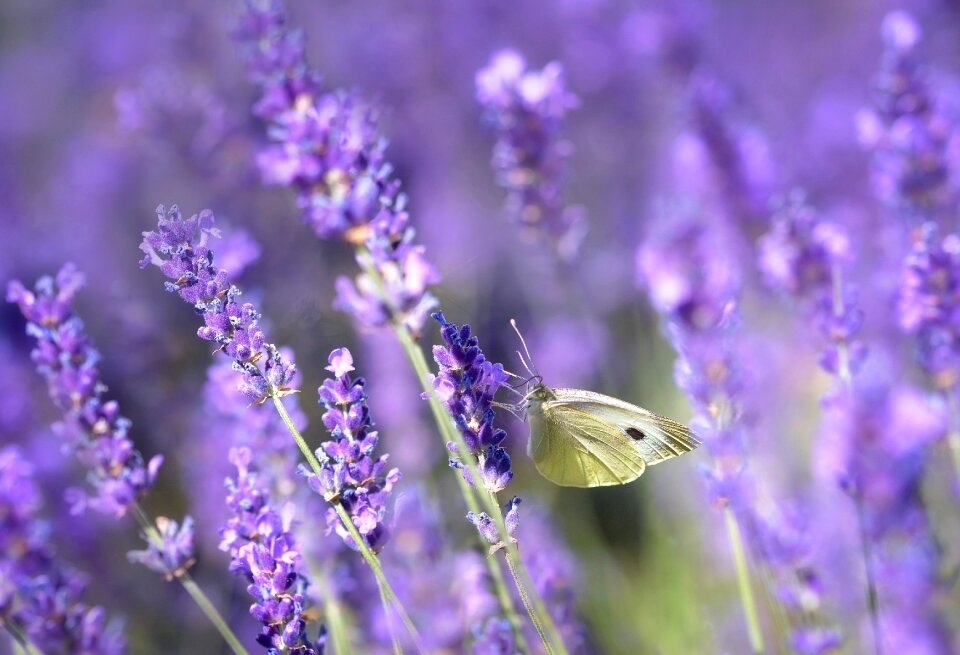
x: 702, y: 319
x: 349, y: 474
x: 466, y: 384
x: 875, y: 444
x: 328, y: 148
x: 805, y: 256
x: 258, y: 427
x: 38, y: 594
x: 265, y: 553
x: 92, y: 426
x: 722, y: 159
x: 173, y: 556
x: 493, y: 637
x: 487, y: 527
x: 180, y: 249
x: 929, y: 302
x: 527, y: 109
x: 910, y: 137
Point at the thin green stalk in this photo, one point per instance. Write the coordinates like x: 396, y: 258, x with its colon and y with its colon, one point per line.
x: 192, y: 588
x: 743, y: 582
x: 368, y: 555
x: 528, y: 593
x: 21, y: 643
x: 333, y: 614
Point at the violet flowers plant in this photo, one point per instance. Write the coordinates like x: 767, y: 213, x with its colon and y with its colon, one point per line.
x: 830, y: 419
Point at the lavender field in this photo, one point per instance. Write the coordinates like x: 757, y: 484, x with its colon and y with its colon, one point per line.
x: 260, y: 390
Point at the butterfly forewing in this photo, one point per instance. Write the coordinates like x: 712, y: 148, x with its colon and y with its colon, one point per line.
x: 658, y: 438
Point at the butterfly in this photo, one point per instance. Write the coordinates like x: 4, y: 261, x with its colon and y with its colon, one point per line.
x: 581, y: 438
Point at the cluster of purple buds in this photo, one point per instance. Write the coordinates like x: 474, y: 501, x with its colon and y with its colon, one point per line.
x: 487, y: 527
x: 929, y: 302
x: 349, y: 474
x: 39, y: 597
x: 326, y: 145
x: 912, y: 139
x: 265, y: 553
x: 466, y: 384
x: 527, y: 110
x: 180, y: 249
x: 804, y: 256
x: 172, y: 554
x: 494, y: 637
x: 92, y: 426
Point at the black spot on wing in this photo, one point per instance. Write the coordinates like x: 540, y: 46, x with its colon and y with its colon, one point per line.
x: 635, y: 434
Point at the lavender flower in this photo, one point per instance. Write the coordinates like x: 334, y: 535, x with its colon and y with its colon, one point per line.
x: 173, y: 555
x: 874, y: 444
x: 466, y: 384
x: 257, y: 427
x: 721, y: 158
x: 349, y: 474
x: 487, y: 527
x: 909, y: 134
x: 494, y: 637
x: 264, y: 552
x: 38, y: 595
x: 180, y: 249
x: 92, y: 426
x: 327, y: 147
x: 527, y: 110
x: 698, y: 298
x: 804, y: 256
x: 929, y: 303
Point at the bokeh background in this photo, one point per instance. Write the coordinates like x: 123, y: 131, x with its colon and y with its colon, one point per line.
x: 110, y: 108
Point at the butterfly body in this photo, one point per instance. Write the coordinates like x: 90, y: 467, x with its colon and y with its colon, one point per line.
x: 581, y: 438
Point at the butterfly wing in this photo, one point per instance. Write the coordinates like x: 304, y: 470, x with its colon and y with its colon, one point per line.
x: 573, y: 448
x: 658, y: 438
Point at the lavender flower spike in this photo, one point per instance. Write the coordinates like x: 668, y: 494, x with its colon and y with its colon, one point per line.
x: 39, y: 596
x: 327, y: 147
x: 173, y: 556
x: 913, y: 140
x: 349, y: 474
x: 92, y: 426
x: 527, y: 110
x: 180, y: 249
x: 263, y: 551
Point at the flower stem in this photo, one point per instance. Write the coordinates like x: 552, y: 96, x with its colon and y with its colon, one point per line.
x: 333, y: 614
x: 386, y: 591
x: 531, y: 599
x: 21, y: 643
x: 192, y: 588
x: 743, y: 582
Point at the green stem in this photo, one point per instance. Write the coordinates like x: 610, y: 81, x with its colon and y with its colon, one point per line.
x: 743, y: 582
x: 534, y: 605
x: 21, y: 643
x: 387, y: 593
x: 191, y: 587
x: 333, y: 613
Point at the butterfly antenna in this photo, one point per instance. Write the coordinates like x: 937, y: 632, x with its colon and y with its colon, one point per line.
x: 530, y: 367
